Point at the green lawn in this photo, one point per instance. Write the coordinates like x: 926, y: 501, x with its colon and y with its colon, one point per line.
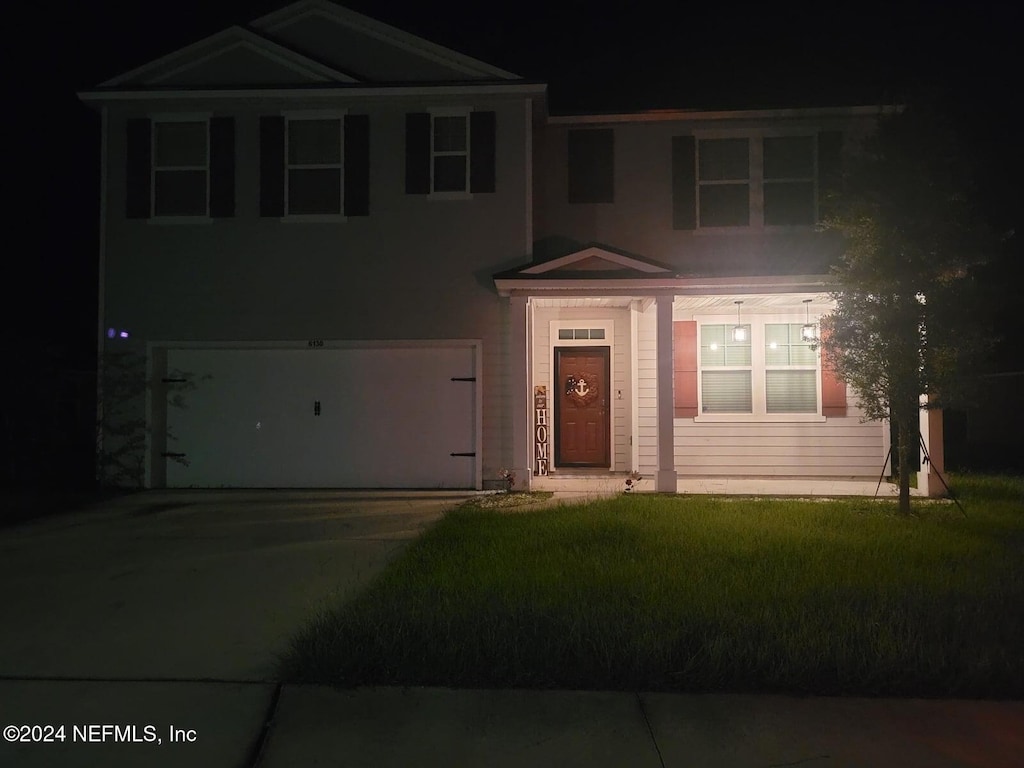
x: 697, y: 594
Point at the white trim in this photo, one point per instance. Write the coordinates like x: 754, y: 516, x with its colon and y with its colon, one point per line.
x: 758, y: 367
x: 232, y: 36
x: 310, y: 116
x: 682, y: 115
x: 635, y: 310
x: 332, y: 92
x: 528, y: 154
x: 101, y: 310
x: 384, y: 32
x: 594, y: 252
x: 314, y: 218
x: 455, y: 112
x: 682, y: 286
x: 554, y: 326
x: 155, y: 168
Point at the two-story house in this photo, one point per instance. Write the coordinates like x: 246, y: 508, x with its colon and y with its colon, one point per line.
x: 377, y: 262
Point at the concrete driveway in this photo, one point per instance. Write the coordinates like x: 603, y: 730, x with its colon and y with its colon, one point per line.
x: 191, y: 585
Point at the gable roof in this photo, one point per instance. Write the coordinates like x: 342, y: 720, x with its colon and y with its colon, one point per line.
x: 256, y: 50
x: 318, y: 23
x: 309, y: 43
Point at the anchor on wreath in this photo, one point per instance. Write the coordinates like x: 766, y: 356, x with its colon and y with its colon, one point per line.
x: 581, y: 391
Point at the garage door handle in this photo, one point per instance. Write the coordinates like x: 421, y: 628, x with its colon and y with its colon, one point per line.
x: 463, y: 378
x: 173, y: 455
x: 471, y: 453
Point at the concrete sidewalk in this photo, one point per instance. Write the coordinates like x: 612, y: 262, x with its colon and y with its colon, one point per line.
x: 237, y: 725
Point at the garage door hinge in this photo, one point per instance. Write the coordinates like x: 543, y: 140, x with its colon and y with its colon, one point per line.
x: 471, y: 453
x: 463, y: 378
x: 174, y: 381
x: 169, y: 455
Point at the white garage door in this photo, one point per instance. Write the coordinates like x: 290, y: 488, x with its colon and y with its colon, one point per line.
x: 394, y: 417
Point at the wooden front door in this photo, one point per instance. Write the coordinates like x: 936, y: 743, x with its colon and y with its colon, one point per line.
x: 582, y: 407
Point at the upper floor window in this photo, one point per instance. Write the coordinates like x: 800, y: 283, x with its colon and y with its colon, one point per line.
x: 723, y: 180
x: 179, y: 166
x: 314, y: 166
x: 450, y: 153
x: 591, y: 165
x: 789, y: 180
x: 756, y: 181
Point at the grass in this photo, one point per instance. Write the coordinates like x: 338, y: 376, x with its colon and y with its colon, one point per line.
x: 690, y: 593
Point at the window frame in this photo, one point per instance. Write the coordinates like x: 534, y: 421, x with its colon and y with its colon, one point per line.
x: 452, y: 194
x: 755, y: 180
x: 314, y: 115
x: 154, y: 167
x: 758, y: 323
x: 816, y: 368
x: 812, y: 179
x: 747, y: 183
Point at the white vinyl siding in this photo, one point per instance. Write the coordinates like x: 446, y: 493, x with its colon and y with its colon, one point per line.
x: 838, y: 447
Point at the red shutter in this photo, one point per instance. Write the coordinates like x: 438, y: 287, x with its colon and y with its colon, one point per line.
x: 684, y: 367
x: 833, y: 389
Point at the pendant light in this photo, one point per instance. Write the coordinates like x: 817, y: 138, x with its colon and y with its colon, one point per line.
x: 809, y: 331
x: 739, y: 332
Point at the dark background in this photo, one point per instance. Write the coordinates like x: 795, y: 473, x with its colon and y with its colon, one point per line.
x: 624, y: 57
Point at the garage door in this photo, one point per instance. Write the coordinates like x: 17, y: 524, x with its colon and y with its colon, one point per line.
x: 394, y: 417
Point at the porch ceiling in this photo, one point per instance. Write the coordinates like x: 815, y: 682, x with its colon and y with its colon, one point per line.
x: 820, y: 302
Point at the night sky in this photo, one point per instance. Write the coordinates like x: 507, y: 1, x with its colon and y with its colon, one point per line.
x: 693, y: 56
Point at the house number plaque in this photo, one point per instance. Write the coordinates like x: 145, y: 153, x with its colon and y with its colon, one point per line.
x: 540, y: 429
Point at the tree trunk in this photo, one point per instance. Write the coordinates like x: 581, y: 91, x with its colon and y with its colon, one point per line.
x: 903, y: 449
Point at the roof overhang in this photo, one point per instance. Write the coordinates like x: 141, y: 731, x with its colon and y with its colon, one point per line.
x: 669, y: 284
x: 100, y: 95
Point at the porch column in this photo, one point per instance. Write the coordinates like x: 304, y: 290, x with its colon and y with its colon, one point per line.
x: 928, y: 482
x: 665, y: 482
x: 519, y: 377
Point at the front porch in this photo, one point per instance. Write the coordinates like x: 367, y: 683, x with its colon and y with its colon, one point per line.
x: 610, y: 483
x: 703, y: 385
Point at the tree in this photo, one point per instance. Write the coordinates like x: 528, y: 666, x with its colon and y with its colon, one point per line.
x: 907, y: 321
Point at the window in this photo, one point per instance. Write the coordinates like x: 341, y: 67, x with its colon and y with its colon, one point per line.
x: 449, y: 153
x: 581, y: 333
x: 723, y: 191
x: 313, y: 170
x: 181, y: 168
x: 314, y: 165
x: 725, y: 370
x: 591, y: 166
x: 755, y: 181
x: 791, y: 370
x: 789, y: 180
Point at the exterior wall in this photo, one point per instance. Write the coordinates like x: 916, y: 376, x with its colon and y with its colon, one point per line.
x: 639, y: 220
x: 543, y: 344
x: 415, y: 268
x: 833, y: 447
x: 647, y: 389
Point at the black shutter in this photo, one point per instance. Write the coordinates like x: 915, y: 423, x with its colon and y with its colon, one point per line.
x: 222, y: 167
x: 830, y: 172
x: 591, y: 155
x: 417, y: 153
x: 138, y: 167
x: 482, y: 146
x: 357, y: 165
x: 272, y: 165
x: 684, y: 183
